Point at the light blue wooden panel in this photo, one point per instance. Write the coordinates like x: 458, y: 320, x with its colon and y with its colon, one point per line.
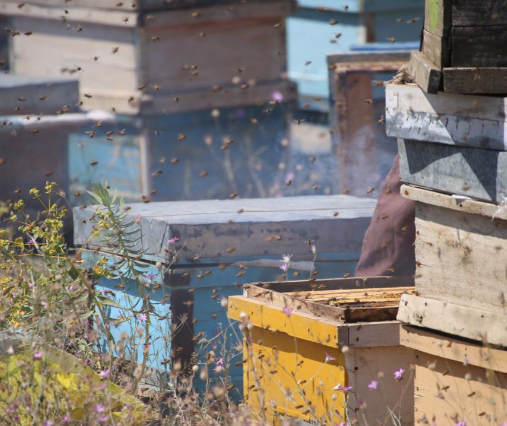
x: 357, y: 6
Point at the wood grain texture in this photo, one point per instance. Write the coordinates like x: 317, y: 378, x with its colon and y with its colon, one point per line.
x: 453, y: 349
x: 473, y: 172
x: 215, y: 228
x: 437, y: 49
x: 476, y: 121
x: 479, y: 47
x: 466, y: 322
x: 467, y: 13
x: 437, y: 17
x: 456, y: 380
x: 427, y: 76
x: 480, y: 81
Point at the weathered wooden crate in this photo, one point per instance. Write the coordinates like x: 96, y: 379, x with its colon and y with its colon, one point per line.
x: 466, y: 40
x: 456, y: 381
x: 305, y: 339
x: 222, y: 245
x: 461, y: 253
x: 310, y: 37
x: 138, y: 62
x: 466, y: 120
x: 32, y: 95
x: 357, y: 105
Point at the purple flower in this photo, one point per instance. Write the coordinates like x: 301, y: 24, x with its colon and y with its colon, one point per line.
x: 219, y: 365
x: 284, y: 267
x: 142, y: 317
x: 466, y: 361
x: 173, y: 240
x: 48, y: 423
x: 342, y: 388
x: 103, y: 419
x: 373, y: 385
x: 150, y: 277
x: 37, y: 355
x: 32, y: 241
x: 398, y: 375
x: 104, y: 374
x: 330, y: 357
x: 66, y: 419
x: 277, y: 96
x: 99, y: 408
x: 287, y: 310
x: 286, y: 258
x: 461, y: 424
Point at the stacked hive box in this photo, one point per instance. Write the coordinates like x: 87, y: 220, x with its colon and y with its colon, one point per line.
x: 464, y: 47
x: 323, y: 342
x: 223, y: 244
x: 186, y: 77
x: 452, y: 153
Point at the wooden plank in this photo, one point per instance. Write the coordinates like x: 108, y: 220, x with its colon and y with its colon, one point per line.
x: 465, y: 205
x: 437, y: 49
x: 473, y: 172
x: 427, y: 76
x: 299, y: 324
x: 453, y: 349
x: 476, y: 121
x: 479, y: 47
x: 468, y: 243
x: 437, y: 17
x: 467, y: 13
x: 449, y: 318
x: 480, y: 81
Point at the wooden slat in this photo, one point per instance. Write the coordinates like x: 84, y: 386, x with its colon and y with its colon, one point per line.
x: 437, y: 49
x: 427, y: 76
x: 466, y: 13
x: 437, y: 17
x: 449, y: 318
x: 479, y: 47
x: 480, y: 81
x: 472, y: 172
x: 453, y: 349
x: 477, y: 121
x: 471, y: 206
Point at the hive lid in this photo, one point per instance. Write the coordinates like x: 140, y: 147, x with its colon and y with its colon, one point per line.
x: 346, y: 300
x: 249, y: 227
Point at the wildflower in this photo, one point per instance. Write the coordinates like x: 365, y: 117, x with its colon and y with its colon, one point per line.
x: 286, y: 258
x: 32, y: 241
x: 104, y: 374
x: 142, y: 317
x: 48, y: 423
x: 284, y: 267
x: 373, y: 385
x: 287, y: 310
x: 150, y: 277
x: 99, y: 408
x: 277, y: 96
x: 330, y: 357
x: 66, y: 419
x: 173, y: 240
x: 339, y: 386
x: 103, y: 419
x: 37, y: 355
x: 219, y: 365
x: 398, y: 375
x: 461, y: 424
x: 313, y: 249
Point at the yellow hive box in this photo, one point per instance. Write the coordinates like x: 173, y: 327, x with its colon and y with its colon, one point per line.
x: 307, y: 340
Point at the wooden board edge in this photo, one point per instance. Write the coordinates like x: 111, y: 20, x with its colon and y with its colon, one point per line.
x: 427, y: 76
x: 475, y: 81
x: 454, y: 349
x: 458, y: 203
x: 474, y: 324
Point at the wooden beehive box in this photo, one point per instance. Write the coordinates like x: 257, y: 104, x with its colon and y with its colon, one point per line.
x: 310, y: 37
x: 136, y: 61
x: 357, y: 105
x: 351, y: 322
x: 466, y: 40
x: 222, y: 245
x: 456, y: 381
x: 461, y: 253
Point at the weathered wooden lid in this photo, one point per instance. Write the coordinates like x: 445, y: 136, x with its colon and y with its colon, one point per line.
x: 36, y: 95
x: 249, y: 227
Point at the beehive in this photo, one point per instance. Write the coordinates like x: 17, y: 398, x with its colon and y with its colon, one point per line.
x: 466, y: 40
x: 456, y: 382
x: 138, y: 62
x: 306, y: 340
x: 222, y: 245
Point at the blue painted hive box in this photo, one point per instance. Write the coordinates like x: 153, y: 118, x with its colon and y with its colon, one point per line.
x: 199, y: 253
